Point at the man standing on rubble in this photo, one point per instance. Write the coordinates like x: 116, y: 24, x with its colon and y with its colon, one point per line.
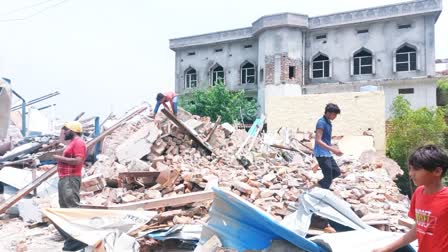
x: 70, y: 165
x: 323, y: 147
x: 170, y: 97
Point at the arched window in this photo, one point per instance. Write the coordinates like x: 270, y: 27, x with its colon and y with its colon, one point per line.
x: 362, y: 62
x: 248, y: 73
x: 321, y: 66
x: 217, y: 74
x: 406, y: 59
x: 191, y: 78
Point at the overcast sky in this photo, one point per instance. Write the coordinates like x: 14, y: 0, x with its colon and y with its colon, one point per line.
x: 110, y: 55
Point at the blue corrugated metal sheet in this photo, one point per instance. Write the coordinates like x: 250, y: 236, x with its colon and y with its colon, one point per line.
x: 242, y: 226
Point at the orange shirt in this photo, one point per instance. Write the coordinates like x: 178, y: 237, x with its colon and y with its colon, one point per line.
x: 169, y: 96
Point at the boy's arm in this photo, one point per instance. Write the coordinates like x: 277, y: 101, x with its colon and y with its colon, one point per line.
x: 156, y: 109
x: 321, y: 143
x: 407, y: 238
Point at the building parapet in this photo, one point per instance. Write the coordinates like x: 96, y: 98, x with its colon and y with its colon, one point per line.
x: 411, y: 8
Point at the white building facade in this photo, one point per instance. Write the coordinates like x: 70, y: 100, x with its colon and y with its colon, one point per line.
x: 391, y: 47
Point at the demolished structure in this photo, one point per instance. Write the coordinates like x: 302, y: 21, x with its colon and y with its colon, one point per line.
x: 176, y: 168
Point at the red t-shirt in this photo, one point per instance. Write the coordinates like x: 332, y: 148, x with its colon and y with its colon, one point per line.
x: 430, y: 212
x: 76, y: 148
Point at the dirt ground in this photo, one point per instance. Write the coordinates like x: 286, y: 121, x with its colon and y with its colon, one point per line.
x: 15, y: 235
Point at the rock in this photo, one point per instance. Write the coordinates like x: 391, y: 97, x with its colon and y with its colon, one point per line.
x: 128, y: 198
x: 193, y: 124
x: 242, y: 187
x: 138, y: 144
x: 228, y: 129
x: 268, y: 177
x: 212, y: 244
x: 93, y: 183
x: 152, y: 194
x: 361, y: 210
x: 182, y: 220
x: 138, y: 165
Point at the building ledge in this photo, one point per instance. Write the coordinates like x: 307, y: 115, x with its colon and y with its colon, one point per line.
x: 412, y: 8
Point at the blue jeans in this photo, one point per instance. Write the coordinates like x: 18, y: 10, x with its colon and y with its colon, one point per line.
x: 175, y: 105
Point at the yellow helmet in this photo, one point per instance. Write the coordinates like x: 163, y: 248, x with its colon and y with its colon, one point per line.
x: 74, y: 126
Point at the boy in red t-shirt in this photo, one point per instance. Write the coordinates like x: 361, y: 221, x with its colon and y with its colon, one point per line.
x: 429, y: 204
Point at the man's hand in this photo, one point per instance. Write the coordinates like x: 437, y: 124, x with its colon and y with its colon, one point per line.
x: 57, y: 157
x: 338, y: 152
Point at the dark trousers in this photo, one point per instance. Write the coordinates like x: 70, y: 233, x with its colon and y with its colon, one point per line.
x: 330, y: 170
x: 68, y: 189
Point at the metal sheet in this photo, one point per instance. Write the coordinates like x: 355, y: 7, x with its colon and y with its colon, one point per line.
x: 242, y: 226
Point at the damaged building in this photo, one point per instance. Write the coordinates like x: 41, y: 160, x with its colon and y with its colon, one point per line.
x: 389, y: 48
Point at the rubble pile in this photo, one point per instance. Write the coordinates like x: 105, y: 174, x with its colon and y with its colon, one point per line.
x: 145, y: 160
x: 271, y: 178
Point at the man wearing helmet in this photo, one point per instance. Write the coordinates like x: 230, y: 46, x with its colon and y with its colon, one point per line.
x: 70, y: 164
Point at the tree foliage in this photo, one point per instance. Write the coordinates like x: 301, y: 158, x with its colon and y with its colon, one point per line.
x: 442, y: 84
x: 232, y: 106
x: 410, y: 129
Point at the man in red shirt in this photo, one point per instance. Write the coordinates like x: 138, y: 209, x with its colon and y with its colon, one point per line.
x: 170, y: 97
x: 70, y: 165
x: 429, y: 204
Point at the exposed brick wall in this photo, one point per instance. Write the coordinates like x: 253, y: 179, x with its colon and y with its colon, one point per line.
x: 359, y: 111
x: 285, y: 63
x: 269, y: 70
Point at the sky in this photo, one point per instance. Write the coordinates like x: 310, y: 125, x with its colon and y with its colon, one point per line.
x: 111, y: 55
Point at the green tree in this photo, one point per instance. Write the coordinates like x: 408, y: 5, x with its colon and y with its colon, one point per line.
x: 410, y: 129
x: 232, y: 106
x: 442, y: 84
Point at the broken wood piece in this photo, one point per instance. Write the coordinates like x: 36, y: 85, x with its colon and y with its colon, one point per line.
x: 284, y: 147
x: 146, y: 227
x: 193, y: 134
x: 178, y: 200
x: 218, y: 121
x: 79, y: 116
x: 138, y: 174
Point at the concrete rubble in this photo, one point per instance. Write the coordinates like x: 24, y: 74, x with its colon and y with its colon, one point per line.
x: 147, y: 159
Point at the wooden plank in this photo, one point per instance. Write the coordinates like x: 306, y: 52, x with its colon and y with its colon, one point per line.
x: 290, y: 149
x: 284, y: 147
x: 218, y: 121
x: 27, y: 189
x: 138, y: 174
x: 178, y: 200
x: 193, y: 134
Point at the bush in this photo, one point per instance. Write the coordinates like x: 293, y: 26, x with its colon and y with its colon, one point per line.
x: 232, y: 106
x: 442, y: 84
x: 410, y: 129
